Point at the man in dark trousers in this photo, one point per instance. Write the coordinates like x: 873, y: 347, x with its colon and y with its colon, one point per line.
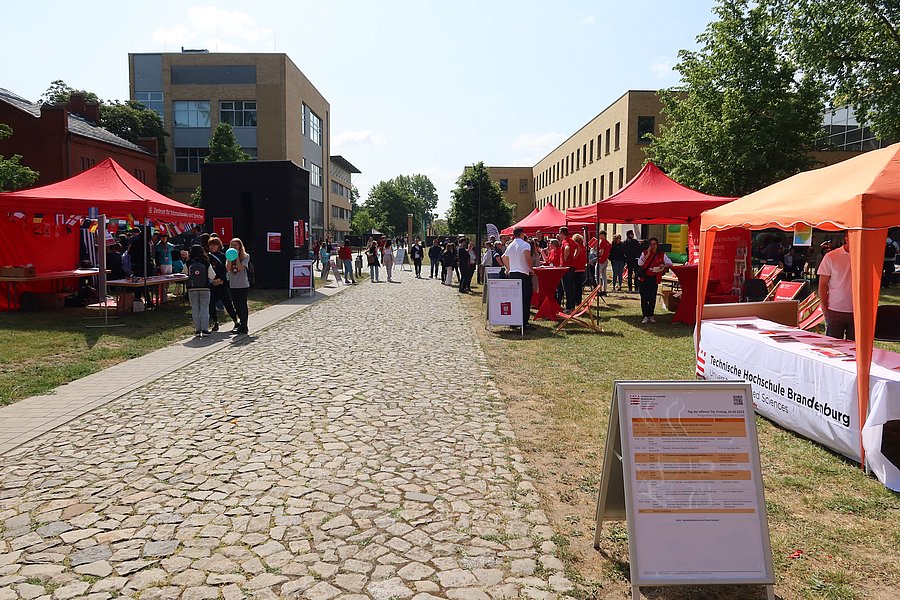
x: 462, y: 259
x: 417, y: 254
x: 632, y: 248
x: 517, y: 262
x: 434, y: 255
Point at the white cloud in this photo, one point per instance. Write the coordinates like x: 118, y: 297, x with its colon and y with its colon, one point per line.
x: 662, y: 68
x: 356, y: 138
x: 589, y: 20
x: 215, y: 29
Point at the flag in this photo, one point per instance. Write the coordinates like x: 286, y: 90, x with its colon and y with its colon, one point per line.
x: 94, y: 226
x: 130, y: 220
x: 493, y: 231
x: 72, y: 220
x: 175, y: 228
x: 162, y: 228
x: 38, y: 218
x: 16, y: 217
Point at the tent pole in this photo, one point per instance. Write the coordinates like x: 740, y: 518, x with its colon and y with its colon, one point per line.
x: 101, y: 276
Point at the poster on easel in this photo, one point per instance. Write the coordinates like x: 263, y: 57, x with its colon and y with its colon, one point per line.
x: 401, y: 259
x: 489, y: 273
x: 682, y: 467
x: 301, y: 277
x: 505, y: 302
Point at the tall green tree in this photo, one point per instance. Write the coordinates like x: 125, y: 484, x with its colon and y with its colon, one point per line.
x: 362, y: 222
x: 853, y: 46
x: 388, y: 203
x: 223, y: 147
x: 131, y: 120
x: 463, y: 214
x: 744, y: 116
x: 59, y: 92
x: 13, y: 174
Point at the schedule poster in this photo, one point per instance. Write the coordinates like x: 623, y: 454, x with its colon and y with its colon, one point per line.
x: 693, y: 485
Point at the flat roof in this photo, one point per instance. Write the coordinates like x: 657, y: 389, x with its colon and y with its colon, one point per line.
x: 344, y: 164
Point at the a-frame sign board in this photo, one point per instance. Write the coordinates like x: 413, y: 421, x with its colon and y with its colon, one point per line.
x: 682, y: 468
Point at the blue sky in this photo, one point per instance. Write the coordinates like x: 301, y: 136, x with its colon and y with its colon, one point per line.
x: 415, y: 87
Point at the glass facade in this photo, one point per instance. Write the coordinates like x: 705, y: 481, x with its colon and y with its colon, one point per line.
x: 844, y: 132
x: 191, y: 114
x: 152, y: 100
x: 187, y: 160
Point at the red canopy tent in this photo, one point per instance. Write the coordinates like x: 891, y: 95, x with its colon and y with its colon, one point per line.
x: 649, y: 198
x: 544, y: 220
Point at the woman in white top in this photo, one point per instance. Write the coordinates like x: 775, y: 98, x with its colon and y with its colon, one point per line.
x: 387, y: 257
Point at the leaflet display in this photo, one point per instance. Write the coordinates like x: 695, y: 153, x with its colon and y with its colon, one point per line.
x: 301, y: 277
x: 505, y: 302
x: 689, y: 483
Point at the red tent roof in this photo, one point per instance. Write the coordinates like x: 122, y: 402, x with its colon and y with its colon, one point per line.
x: 650, y: 197
x: 544, y: 220
x: 509, y: 230
x: 107, y: 187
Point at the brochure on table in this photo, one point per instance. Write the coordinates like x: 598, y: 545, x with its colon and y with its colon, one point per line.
x: 682, y: 467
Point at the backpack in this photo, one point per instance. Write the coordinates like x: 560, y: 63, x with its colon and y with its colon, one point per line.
x: 251, y: 274
x: 198, y: 276
x: 126, y: 263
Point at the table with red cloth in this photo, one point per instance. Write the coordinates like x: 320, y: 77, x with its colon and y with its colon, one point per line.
x: 548, y: 281
x: 687, y: 281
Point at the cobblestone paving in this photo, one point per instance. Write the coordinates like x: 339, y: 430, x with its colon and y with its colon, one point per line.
x: 355, y: 450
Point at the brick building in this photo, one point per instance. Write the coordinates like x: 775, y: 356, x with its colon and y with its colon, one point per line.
x: 61, y: 141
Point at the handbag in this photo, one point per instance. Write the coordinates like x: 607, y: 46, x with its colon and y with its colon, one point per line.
x: 370, y: 258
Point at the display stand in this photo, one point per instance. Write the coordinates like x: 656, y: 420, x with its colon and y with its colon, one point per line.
x: 300, y: 278
x: 505, y: 303
x: 402, y: 259
x: 681, y: 466
x: 101, y: 280
x: 489, y: 273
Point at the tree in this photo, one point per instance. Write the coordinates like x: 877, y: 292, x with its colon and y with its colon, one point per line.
x: 354, y: 201
x: 223, y: 147
x: 362, y: 222
x: 744, y: 116
x: 13, y: 174
x: 388, y: 204
x: 853, y: 47
x: 440, y: 227
x: 131, y: 120
x: 463, y: 214
x: 59, y: 92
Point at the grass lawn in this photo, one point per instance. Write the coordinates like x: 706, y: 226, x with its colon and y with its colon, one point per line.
x: 558, y: 388
x: 42, y: 350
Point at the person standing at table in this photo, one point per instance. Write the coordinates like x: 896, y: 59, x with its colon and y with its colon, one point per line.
x: 143, y: 263
x: 387, y: 257
x: 517, y: 260
x: 579, y: 267
x: 239, y: 284
x: 653, y: 264
x: 417, y: 254
x: 632, y: 248
x: 617, y: 258
x: 219, y: 291
x: 603, y: 248
x: 568, y: 261
x: 835, y: 293
x: 487, y: 260
x: 316, y: 247
x: 199, y: 273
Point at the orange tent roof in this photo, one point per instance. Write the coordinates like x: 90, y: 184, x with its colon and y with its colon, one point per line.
x: 860, y: 193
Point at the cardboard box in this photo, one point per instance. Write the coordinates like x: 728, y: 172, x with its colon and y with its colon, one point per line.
x: 26, y: 271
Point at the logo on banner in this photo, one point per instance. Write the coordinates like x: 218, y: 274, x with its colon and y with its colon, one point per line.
x: 506, y: 308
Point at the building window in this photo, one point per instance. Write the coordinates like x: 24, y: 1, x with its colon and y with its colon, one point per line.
x: 191, y: 114
x: 578, y: 159
x: 579, y: 195
x: 523, y: 186
x: 504, y: 185
x: 238, y: 113
x: 187, y: 160
x: 252, y: 152
x: 618, y: 133
x: 152, y: 100
x: 610, y: 183
x: 607, y: 142
x: 602, y: 185
x: 303, y: 118
x: 140, y: 175
x: 599, y: 142
x: 584, y: 155
x: 621, y: 177
x: 87, y: 163
x: 315, y: 175
x: 645, y: 125
x: 592, y: 150
x: 594, y: 191
x: 315, y: 128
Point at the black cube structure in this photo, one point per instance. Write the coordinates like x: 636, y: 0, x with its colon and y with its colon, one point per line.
x: 253, y: 201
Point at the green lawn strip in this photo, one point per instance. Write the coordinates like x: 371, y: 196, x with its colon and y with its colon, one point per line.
x: 40, y: 351
x: 845, y: 523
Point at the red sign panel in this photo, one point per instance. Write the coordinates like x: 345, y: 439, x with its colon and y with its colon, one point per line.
x: 787, y: 290
x: 273, y: 241
x: 223, y: 227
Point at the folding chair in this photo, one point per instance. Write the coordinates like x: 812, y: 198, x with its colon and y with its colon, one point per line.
x: 786, y: 290
x: 769, y: 273
x: 577, y: 314
x: 809, y: 312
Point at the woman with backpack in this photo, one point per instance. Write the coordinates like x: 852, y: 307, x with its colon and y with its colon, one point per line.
x: 372, y: 259
x: 239, y: 284
x: 199, y: 273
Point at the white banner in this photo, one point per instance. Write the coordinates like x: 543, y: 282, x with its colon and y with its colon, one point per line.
x: 505, y: 302
x: 807, y: 383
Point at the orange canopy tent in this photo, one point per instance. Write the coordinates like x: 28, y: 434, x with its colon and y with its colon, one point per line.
x: 860, y: 195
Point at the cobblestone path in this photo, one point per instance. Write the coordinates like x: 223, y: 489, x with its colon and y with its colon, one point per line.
x: 355, y: 450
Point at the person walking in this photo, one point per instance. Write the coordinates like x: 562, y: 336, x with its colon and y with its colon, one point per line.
x: 617, y: 258
x: 632, y: 249
x: 345, y: 254
x: 434, y: 255
x: 325, y: 259
x: 372, y: 260
x: 462, y: 260
x: 219, y: 291
x: 316, y: 247
x: 652, y: 263
x: 517, y: 261
x: 199, y: 273
x: 387, y: 256
x: 239, y: 285
x: 417, y: 254
x: 448, y: 260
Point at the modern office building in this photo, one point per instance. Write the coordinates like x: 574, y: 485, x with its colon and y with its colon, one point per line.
x: 341, y: 184
x: 843, y: 132
x: 517, y: 187
x: 276, y: 112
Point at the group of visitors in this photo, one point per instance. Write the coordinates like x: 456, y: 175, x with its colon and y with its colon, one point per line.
x: 323, y: 250
x: 213, y: 279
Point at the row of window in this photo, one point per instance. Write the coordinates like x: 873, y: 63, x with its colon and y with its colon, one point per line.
x: 188, y: 160
x: 338, y: 212
x: 581, y: 157
x: 523, y: 185
x: 585, y: 193
x: 311, y: 124
x: 339, y: 189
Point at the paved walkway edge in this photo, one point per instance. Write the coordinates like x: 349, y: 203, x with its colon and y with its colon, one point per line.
x: 32, y: 417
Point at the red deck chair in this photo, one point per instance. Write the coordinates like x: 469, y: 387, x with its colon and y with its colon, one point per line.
x: 810, y: 312
x: 786, y: 290
x: 578, y: 313
x: 769, y: 273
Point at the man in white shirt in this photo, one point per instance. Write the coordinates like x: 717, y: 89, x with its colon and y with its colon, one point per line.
x: 517, y: 260
x: 835, y: 292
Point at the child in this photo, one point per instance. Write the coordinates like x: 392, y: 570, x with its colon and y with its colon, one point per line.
x: 199, y: 273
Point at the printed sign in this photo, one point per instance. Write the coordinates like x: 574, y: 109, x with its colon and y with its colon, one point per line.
x: 273, y: 241
x: 505, y: 302
x: 301, y: 276
x: 297, y: 236
x: 803, y: 235
x: 689, y: 483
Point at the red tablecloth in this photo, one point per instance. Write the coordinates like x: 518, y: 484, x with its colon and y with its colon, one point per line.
x: 687, y: 308
x: 548, y: 280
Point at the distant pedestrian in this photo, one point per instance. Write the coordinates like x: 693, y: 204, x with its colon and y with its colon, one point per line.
x: 239, y: 284
x: 372, y: 259
x: 199, y: 273
x: 325, y: 259
x: 417, y: 253
x: 448, y: 261
x: 579, y: 266
x: 219, y: 290
x: 603, y: 249
x: 315, y: 252
x: 434, y: 255
x: 617, y: 258
x: 345, y: 254
x: 632, y: 248
x: 462, y: 260
x: 653, y: 263
x: 387, y: 256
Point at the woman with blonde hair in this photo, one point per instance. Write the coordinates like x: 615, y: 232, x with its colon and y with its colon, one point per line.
x: 239, y: 284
